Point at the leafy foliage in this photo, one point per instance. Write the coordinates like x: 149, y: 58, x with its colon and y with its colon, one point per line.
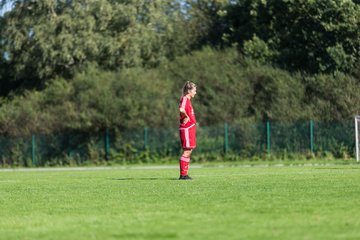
x: 312, y: 36
x: 88, y: 65
x: 46, y: 39
x: 230, y: 89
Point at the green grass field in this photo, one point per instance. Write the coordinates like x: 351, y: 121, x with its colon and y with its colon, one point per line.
x: 298, y: 202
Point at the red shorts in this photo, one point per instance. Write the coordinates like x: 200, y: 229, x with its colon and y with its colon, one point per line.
x: 188, y: 137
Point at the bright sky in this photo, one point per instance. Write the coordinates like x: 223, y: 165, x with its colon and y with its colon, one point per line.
x: 6, y: 8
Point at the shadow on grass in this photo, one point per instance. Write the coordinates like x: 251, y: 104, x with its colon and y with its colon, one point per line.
x: 338, y: 168
x: 146, y: 236
x: 142, y: 179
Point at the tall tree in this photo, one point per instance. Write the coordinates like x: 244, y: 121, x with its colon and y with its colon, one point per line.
x: 44, y: 39
x: 312, y: 36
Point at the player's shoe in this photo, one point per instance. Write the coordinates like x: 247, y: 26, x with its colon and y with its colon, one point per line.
x: 186, y: 177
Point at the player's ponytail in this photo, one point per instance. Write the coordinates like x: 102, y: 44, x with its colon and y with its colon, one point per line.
x: 187, y: 87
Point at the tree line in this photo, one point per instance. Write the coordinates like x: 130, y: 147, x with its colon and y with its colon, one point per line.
x: 86, y: 65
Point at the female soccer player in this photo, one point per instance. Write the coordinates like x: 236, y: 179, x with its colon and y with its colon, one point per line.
x: 187, y: 128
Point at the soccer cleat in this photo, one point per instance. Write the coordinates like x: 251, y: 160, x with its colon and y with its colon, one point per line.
x: 186, y: 177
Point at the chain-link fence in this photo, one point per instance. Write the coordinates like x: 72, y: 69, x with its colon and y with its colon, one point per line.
x: 149, y: 144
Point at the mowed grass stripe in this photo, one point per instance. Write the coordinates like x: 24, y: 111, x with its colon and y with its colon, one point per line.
x: 221, y: 203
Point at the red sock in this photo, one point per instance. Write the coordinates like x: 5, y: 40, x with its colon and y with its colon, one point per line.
x: 184, y: 165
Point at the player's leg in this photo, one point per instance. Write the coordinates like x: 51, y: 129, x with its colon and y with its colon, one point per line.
x: 184, y: 164
x: 188, y: 143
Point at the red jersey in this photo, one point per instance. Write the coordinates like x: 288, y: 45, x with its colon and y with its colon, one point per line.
x: 185, y: 103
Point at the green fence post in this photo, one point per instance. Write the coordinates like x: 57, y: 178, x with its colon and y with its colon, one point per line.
x: 145, y: 137
x: 312, y: 136
x: 107, y: 144
x: 33, y: 150
x: 226, y: 140
x: 268, y: 137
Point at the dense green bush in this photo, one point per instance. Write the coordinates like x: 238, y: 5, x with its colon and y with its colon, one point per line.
x: 230, y: 89
x: 310, y: 36
x: 332, y: 97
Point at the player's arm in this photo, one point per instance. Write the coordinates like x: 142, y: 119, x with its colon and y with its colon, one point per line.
x: 183, y: 113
